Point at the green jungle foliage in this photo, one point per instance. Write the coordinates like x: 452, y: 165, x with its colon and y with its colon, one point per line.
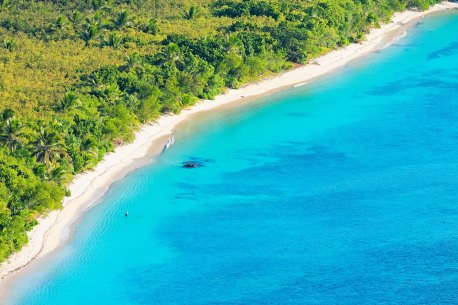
x: 78, y: 77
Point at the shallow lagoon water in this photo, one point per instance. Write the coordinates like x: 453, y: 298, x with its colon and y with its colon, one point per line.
x: 342, y: 191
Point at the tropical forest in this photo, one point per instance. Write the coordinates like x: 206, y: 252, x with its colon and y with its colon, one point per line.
x: 79, y: 77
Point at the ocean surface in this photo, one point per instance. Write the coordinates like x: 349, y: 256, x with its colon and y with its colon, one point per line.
x: 342, y: 191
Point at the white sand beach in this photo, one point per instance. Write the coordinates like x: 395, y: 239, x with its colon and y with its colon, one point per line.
x: 86, y: 189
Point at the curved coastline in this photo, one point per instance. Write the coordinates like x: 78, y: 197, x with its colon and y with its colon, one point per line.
x: 54, y: 230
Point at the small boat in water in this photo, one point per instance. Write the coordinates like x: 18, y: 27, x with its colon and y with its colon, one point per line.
x: 169, y: 143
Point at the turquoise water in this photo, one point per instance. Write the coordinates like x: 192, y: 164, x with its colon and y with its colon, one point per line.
x: 343, y: 191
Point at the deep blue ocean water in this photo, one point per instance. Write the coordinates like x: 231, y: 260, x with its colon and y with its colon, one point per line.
x: 343, y: 191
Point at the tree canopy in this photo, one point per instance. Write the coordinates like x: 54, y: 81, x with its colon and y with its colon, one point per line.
x: 78, y: 77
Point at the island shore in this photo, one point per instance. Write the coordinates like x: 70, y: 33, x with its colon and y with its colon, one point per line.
x: 87, y: 188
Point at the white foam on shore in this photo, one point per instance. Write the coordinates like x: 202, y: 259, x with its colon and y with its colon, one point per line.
x: 396, y: 39
x: 300, y: 85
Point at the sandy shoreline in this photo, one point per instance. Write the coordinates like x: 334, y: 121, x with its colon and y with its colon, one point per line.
x: 54, y: 230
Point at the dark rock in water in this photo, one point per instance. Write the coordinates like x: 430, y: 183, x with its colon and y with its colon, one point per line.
x: 191, y: 164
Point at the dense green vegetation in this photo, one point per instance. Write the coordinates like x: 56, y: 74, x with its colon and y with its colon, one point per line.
x: 78, y: 77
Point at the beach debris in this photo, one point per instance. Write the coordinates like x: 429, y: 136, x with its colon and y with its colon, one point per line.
x: 169, y: 143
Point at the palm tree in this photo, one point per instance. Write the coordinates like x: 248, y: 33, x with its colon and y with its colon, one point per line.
x: 75, y: 18
x: 122, y: 20
x: 48, y: 147
x: 6, y: 114
x: 90, y: 152
x: 61, y: 22
x: 96, y: 4
x: 152, y: 27
x: 132, y: 61
x: 11, y: 133
x: 172, y: 52
x: 70, y: 101
x: 192, y: 13
x: 90, y: 32
x: 114, y: 41
x: 59, y: 175
x: 4, y: 3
